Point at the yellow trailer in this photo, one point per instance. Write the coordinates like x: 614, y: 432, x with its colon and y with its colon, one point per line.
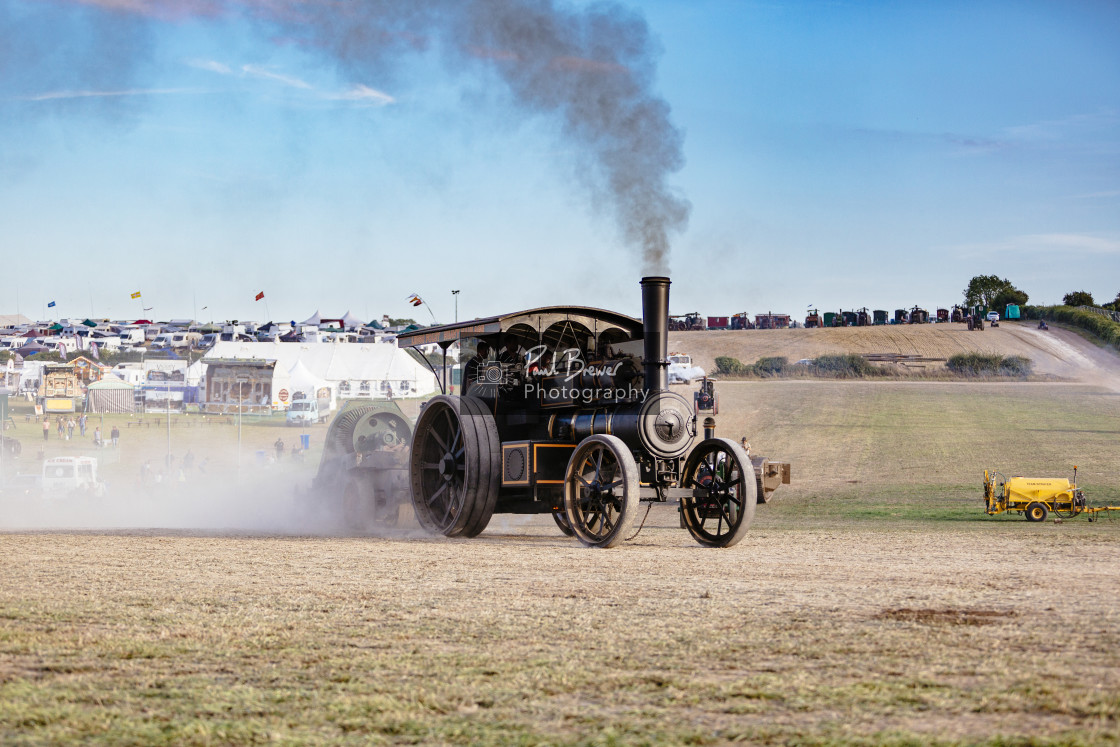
x: 1037, y: 497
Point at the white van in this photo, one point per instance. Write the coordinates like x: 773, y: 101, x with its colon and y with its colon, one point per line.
x: 305, y: 411
x: 64, y: 475
x: 176, y: 340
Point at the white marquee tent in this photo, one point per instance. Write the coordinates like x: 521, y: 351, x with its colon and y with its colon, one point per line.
x: 351, y: 370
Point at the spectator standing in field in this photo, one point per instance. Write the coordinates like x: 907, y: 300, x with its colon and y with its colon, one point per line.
x: 97, y: 437
x: 61, y: 428
x: 82, y: 425
x: 46, y: 428
x: 188, y: 461
x: 70, y: 425
x: 279, y: 446
x: 115, y: 434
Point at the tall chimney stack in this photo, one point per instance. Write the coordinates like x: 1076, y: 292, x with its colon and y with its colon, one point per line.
x: 655, y: 321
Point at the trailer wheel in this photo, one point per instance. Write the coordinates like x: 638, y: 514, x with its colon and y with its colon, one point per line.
x: 1037, y: 512
x: 454, y: 467
x: 601, y: 491
x: 724, y: 493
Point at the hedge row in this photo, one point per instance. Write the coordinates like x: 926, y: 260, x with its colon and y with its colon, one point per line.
x: 989, y: 364
x: 828, y: 366
x: 765, y: 367
x: 1102, y: 327
x: 857, y: 367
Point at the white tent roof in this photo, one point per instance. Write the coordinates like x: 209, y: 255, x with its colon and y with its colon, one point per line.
x: 14, y: 320
x: 109, y: 381
x: 313, y: 319
x: 331, y: 362
x: 349, y: 320
x: 195, y: 372
x: 301, y: 378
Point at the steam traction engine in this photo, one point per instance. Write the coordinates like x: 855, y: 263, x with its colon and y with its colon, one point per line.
x: 567, y: 410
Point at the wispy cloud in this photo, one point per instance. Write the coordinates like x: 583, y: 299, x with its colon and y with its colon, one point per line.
x: 1106, y: 194
x: 211, y: 66
x: 167, y: 10
x: 56, y: 95
x: 361, y: 93
x: 1058, y: 244
x: 1060, y: 129
x: 260, y: 72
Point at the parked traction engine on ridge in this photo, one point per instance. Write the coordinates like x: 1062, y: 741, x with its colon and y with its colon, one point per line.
x: 567, y: 410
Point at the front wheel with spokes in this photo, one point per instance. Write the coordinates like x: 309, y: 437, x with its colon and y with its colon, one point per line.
x: 601, y: 491
x: 724, y: 493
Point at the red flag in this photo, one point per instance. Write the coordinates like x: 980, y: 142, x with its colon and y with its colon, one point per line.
x: 259, y: 296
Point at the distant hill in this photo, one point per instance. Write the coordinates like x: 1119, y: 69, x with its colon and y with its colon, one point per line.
x: 1057, y: 351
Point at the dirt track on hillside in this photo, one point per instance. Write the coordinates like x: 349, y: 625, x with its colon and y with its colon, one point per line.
x: 1055, y: 352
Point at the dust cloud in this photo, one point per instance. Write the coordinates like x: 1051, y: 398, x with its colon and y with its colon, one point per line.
x: 266, y: 496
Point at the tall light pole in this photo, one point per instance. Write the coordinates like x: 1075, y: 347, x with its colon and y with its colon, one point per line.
x: 455, y: 295
x: 240, y: 403
x: 168, y: 425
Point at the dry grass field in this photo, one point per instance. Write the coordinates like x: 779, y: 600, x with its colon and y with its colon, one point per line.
x: 872, y: 602
x: 987, y: 632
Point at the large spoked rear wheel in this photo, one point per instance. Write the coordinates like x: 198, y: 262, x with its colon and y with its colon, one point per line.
x: 724, y: 493
x: 454, y: 466
x: 601, y: 491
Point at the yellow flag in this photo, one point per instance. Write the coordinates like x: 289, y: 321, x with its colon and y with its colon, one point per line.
x: 136, y: 294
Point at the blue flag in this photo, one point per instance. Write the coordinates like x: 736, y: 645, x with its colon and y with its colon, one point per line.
x: 50, y: 304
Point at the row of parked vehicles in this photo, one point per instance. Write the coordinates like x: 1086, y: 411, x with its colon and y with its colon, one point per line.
x: 694, y: 322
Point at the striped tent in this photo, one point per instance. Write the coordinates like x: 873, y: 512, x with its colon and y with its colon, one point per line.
x: 111, y: 394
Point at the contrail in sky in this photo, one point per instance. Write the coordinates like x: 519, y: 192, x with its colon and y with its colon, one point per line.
x: 591, y: 68
x: 52, y: 95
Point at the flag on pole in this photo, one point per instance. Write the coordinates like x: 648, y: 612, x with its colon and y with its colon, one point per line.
x: 50, y: 304
x: 259, y: 296
x: 136, y: 294
x: 415, y: 300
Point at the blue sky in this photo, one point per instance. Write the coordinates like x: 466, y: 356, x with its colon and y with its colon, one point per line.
x: 834, y: 155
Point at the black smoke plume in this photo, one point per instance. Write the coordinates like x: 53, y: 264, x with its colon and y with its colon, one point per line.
x: 591, y: 67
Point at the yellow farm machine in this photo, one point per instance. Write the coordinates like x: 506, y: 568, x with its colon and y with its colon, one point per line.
x: 1037, y: 497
